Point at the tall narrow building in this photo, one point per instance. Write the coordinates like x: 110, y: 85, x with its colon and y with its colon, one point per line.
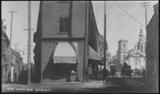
x: 122, y: 52
x: 60, y: 39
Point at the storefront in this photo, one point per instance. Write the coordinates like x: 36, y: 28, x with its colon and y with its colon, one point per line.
x: 94, y: 60
x: 65, y: 60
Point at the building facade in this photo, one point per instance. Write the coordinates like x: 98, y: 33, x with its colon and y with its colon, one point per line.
x: 16, y: 66
x: 118, y: 59
x: 152, y: 50
x: 9, y: 72
x: 4, y: 53
x: 136, y: 57
x: 121, y: 53
x: 61, y: 39
x: 100, y: 45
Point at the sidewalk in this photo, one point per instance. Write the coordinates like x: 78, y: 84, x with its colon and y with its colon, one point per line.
x: 135, y: 83
x: 58, y: 86
x: 93, y: 84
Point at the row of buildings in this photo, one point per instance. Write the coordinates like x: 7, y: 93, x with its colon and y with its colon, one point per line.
x: 67, y: 39
x: 9, y: 71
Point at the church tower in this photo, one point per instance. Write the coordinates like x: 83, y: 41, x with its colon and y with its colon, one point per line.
x: 122, y: 52
x: 141, y: 42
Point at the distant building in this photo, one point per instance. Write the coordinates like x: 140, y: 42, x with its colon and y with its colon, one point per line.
x: 4, y: 53
x: 101, y: 45
x: 121, y: 53
x: 101, y: 49
x: 16, y: 65
x: 152, y: 50
x: 136, y: 57
x: 60, y: 40
x: 120, y: 57
x: 10, y: 72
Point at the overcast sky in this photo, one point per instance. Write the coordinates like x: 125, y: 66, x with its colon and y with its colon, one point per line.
x: 119, y: 24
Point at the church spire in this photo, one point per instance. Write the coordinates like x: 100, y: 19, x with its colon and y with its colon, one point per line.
x: 141, y: 45
x: 141, y: 32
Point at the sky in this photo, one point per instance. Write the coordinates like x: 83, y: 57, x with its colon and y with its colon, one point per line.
x: 119, y: 24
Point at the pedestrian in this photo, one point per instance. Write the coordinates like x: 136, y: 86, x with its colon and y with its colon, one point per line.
x: 143, y: 72
x: 124, y: 69
x: 89, y: 73
x: 21, y: 76
x: 68, y: 74
x: 105, y: 74
x: 113, y: 71
x: 15, y: 76
x: 129, y: 70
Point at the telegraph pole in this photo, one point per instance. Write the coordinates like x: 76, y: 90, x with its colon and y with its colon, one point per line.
x: 29, y: 42
x: 29, y: 54
x: 85, y: 63
x: 104, y: 34
x: 12, y: 12
x: 11, y: 28
x: 145, y: 6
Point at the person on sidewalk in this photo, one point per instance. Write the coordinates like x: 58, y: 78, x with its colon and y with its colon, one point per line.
x: 124, y: 69
x: 129, y: 71
x: 143, y: 72
x: 105, y: 74
x: 89, y: 73
x: 113, y: 70
x: 15, y: 76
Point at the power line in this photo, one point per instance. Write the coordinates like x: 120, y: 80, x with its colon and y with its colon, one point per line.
x: 134, y: 19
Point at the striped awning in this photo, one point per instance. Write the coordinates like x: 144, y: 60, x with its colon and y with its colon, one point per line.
x: 65, y: 53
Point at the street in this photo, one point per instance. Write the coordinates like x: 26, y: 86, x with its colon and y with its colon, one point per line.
x: 72, y: 47
x: 73, y: 87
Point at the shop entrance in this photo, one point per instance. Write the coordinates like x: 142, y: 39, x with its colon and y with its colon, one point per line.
x: 60, y: 72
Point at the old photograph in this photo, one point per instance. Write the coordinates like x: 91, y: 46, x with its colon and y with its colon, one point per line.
x: 80, y: 46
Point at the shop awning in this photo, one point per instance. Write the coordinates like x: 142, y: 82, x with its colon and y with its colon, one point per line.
x: 65, y: 53
x: 93, y: 55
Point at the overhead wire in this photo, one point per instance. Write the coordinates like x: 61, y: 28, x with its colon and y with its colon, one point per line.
x: 133, y: 18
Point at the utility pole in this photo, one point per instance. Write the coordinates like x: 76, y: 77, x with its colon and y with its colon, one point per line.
x: 104, y: 34
x: 145, y: 6
x: 10, y: 51
x: 29, y: 42
x: 85, y: 63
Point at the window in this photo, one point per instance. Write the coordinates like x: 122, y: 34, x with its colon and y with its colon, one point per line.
x: 64, y: 25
